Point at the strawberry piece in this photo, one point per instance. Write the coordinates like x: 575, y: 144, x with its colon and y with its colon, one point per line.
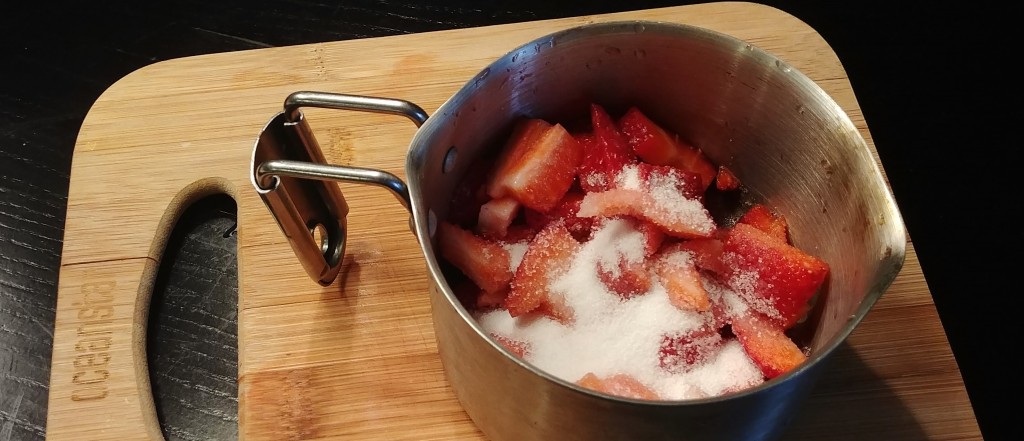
x: 518, y: 348
x: 685, y: 218
x: 537, y: 166
x: 725, y: 180
x: 606, y: 152
x: 767, y: 271
x: 621, y: 385
x: 565, y: 212
x: 548, y: 256
x: 667, y: 177
x: 761, y: 217
x: 486, y: 263
x: 681, y: 352
x: 707, y: 254
x: 767, y: 345
x: 681, y: 280
x: 653, y: 236
x: 627, y: 279
x: 495, y: 217
x: 655, y: 145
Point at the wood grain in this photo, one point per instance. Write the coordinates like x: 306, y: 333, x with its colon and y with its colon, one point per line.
x: 357, y: 359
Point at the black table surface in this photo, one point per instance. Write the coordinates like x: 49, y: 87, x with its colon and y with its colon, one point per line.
x: 929, y: 77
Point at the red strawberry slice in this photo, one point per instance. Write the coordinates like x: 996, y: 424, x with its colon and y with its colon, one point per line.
x: 680, y: 352
x: 621, y: 385
x: 682, y: 281
x: 655, y: 145
x: 627, y: 279
x: 761, y: 217
x: 486, y: 263
x: 667, y: 177
x: 726, y: 180
x: 565, y: 212
x: 653, y: 236
x: 767, y: 345
x: 680, y: 218
x: 517, y: 347
x: 707, y: 254
x: 606, y: 152
x: 547, y: 257
x: 767, y: 271
x: 495, y: 217
x: 537, y: 166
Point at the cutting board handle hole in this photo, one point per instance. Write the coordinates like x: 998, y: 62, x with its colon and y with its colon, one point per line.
x: 192, y: 331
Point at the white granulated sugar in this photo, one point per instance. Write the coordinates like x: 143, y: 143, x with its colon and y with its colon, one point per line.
x: 666, y: 194
x: 516, y: 251
x: 730, y: 370
x: 734, y: 305
x: 617, y: 241
x: 745, y: 284
x: 595, y: 179
x: 609, y: 335
x: 629, y: 178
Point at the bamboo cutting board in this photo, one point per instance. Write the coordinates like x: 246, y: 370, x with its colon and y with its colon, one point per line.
x: 358, y: 359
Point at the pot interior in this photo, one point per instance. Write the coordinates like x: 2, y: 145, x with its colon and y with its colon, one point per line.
x: 789, y: 143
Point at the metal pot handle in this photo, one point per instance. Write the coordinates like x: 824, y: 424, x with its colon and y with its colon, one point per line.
x: 290, y: 172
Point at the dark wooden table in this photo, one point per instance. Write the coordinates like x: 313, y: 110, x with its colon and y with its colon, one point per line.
x: 928, y: 78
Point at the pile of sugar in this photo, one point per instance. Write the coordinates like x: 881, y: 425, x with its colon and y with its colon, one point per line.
x: 611, y: 335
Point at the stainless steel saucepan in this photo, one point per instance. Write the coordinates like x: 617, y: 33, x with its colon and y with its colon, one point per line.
x: 781, y: 134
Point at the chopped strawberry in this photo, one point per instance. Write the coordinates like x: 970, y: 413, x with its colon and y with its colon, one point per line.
x: 766, y: 270
x: 677, y: 217
x: 486, y: 263
x: 621, y: 385
x: 555, y: 308
x: 763, y: 218
x: 606, y: 152
x: 707, y: 254
x: 665, y: 177
x: 767, y: 345
x: 537, y: 166
x: 548, y: 256
x: 627, y: 279
x: 655, y: 145
x: 517, y: 347
x: 681, y: 352
x: 495, y: 217
x: 653, y: 236
x: 682, y: 281
x: 565, y: 211
x: 725, y: 180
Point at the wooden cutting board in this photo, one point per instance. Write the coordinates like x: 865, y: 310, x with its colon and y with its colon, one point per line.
x: 358, y: 359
